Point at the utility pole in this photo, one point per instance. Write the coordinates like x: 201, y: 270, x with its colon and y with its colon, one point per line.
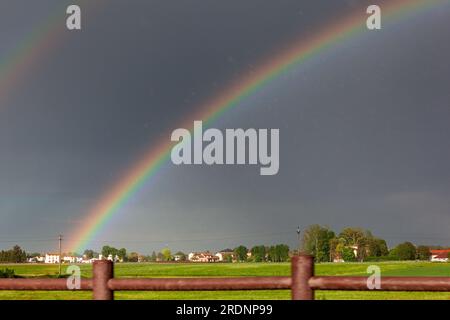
x: 299, y: 240
x: 60, y: 239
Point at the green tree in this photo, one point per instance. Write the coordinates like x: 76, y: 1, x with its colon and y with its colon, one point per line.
x: 14, y: 255
x: 241, y: 253
x: 278, y: 253
x: 106, y: 251
x: 282, y: 252
x: 7, y: 273
x: 258, y: 253
x: 357, y: 238
x: 352, y: 236
x: 316, y: 241
x: 272, y: 254
x: 167, y: 254
x: 423, y: 253
x: 336, y: 247
x: 153, y: 256
x: 122, y: 254
x: 404, y: 251
x: 89, y: 254
x: 159, y: 257
x: 348, y: 254
x: 377, y: 247
x: 133, y: 257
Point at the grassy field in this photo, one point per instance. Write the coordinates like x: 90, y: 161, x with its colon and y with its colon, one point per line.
x: 234, y: 270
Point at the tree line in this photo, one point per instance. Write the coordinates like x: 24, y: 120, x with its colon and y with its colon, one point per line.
x: 356, y: 244
x: 351, y: 244
x: 14, y: 255
x: 260, y: 253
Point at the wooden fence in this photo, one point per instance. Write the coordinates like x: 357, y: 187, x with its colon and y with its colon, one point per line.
x: 302, y: 282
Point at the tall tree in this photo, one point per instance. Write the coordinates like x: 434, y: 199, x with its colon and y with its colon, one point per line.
x: 316, y: 241
x: 357, y: 238
x: 282, y: 252
x: 133, y: 257
x: 122, y: 253
x: 404, y: 251
x: 258, y: 253
x: 153, y: 256
x: 352, y: 236
x: 89, y: 254
x: 377, y: 247
x: 241, y: 253
x: 14, y: 255
x: 423, y: 253
x: 167, y: 254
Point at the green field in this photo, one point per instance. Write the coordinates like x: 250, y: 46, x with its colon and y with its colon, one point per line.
x: 235, y: 270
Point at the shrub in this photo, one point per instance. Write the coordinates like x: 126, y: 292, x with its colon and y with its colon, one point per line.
x: 7, y: 273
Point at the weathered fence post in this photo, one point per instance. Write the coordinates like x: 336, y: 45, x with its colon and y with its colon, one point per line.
x: 302, y: 270
x: 103, y: 270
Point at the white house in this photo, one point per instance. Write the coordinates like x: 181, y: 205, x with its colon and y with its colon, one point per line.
x: 36, y: 259
x: 179, y: 257
x: 51, y: 258
x: 225, y: 254
x: 69, y: 259
x: 116, y: 258
x: 202, y: 257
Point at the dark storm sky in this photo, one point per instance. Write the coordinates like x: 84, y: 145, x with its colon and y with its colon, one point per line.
x: 364, y: 127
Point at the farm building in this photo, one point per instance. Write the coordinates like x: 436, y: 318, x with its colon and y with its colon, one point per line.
x: 440, y: 255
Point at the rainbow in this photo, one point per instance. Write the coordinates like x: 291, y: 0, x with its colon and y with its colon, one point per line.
x: 293, y: 56
x: 19, y: 61
x: 37, y: 45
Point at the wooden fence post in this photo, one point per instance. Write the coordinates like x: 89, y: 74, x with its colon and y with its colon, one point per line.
x: 302, y: 270
x: 103, y: 270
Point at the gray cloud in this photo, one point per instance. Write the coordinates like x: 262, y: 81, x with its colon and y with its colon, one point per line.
x: 363, y: 127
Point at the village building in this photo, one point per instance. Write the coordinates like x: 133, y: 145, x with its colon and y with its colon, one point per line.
x: 226, y: 255
x: 70, y: 259
x: 439, y: 255
x: 202, y: 257
x: 52, y: 258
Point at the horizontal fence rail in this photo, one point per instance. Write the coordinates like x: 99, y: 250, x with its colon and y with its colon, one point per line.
x: 41, y: 284
x: 387, y: 283
x: 302, y: 282
x: 193, y: 284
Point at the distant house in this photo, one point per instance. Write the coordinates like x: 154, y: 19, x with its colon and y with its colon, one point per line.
x: 338, y: 258
x: 52, y: 258
x: 226, y: 255
x: 36, y: 259
x: 439, y: 255
x: 70, y: 259
x: 202, y: 257
x: 178, y: 257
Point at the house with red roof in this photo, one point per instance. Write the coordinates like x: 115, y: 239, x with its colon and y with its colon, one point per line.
x: 440, y: 255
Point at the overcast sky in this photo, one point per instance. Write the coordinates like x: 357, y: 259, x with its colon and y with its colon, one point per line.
x: 364, y: 127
